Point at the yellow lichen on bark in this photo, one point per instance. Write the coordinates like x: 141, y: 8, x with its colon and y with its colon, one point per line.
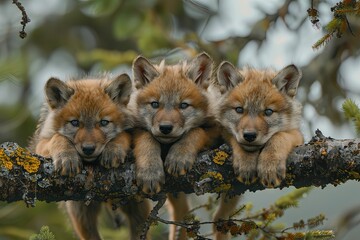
x: 220, y: 157
x: 215, y: 175
x: 289, y: 178
x: 5, y: 160
x: 354, y: 175
x: 23, y: 158
x: 29, y: 163
x: 223, y: 187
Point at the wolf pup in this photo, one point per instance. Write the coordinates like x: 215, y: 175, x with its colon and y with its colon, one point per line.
x: 261, y: 119
x: 174, y: 123
x: 84, y: 121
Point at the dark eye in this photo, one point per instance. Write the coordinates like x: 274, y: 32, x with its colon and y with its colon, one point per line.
x: 184, y: 105
x: 75, y: 123
x: 239, y: 110
x: 154, y: 104
x: 268, y: 112
x: 104, y: 123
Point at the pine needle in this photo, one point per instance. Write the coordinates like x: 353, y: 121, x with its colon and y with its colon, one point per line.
x: 352, y: 112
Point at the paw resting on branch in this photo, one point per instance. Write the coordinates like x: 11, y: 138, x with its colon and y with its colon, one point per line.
x: 29, y: 177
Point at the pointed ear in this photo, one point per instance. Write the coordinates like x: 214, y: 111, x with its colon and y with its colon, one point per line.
x: 144, y: 72
x: 228, y: 76
x: 287, y: 80
x: 200, y: 69
x: 119, y: 89
x: 57, y: 93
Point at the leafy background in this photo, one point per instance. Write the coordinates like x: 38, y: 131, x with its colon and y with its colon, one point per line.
x: 68, y: 38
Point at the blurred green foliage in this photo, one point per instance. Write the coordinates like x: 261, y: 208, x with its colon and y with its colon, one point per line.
x: 18, y: 222
x: 352, y: 112
x: 45, y: 234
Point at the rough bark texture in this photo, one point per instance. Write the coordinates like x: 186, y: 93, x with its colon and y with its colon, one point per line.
x: 29, y: 177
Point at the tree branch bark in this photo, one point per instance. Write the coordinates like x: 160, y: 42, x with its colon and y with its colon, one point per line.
x: 29, y: 177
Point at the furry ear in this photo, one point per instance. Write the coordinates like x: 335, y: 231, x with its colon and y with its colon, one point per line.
x: 144, y: 72
x: 228, y: 76
x: 200, y: 69
x: 119, y: 89
x: 57, y: 93
x: 287, y: 80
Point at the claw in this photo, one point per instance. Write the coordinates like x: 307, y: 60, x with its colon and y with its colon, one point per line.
x: 151, y: 189
x: 271, y: 183
x: 247, y: 178
x: 182, y: 172
x: 150, y: 181
x: 112, y: 157
x: 250, y: 180
x: 240, y: 179
x: 178, y: 164
x: 67, y: 164
x: 247, y: 181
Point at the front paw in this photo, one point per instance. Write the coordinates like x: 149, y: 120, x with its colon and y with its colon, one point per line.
x: 150, y: 178
x: 179, y: 162
x: 271, y: 172
x: 67, y: 163
x: 112, y: 156
x: 245, y: 168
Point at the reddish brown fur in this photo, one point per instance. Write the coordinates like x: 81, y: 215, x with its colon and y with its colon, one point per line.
x: 90, y: 102
x: 261, y: 120
x: 170, y: 87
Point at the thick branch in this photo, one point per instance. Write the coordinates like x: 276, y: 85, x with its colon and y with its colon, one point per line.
x: 26, y: 176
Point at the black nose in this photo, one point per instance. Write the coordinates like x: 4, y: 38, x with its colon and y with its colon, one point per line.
x: 88, y: 149
x: 166, y: 128
x: 249, y: 136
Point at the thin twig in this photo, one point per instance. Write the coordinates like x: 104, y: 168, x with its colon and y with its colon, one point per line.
x: 206, y: 205
x: 24, y: 20
x: 153, y: 216
x: 237, y: 211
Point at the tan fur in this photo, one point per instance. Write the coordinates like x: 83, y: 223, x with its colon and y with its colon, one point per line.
x: 178, y: 209
x: 173, y: 121
x: 261, y: 120
x: 85, y: 121
x: 226, y: 207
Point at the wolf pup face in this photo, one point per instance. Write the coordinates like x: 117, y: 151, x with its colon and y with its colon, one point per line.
x: 262, y: 120
x: 171, y: 99
x: 87, y: 112
x: 259, y: 104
